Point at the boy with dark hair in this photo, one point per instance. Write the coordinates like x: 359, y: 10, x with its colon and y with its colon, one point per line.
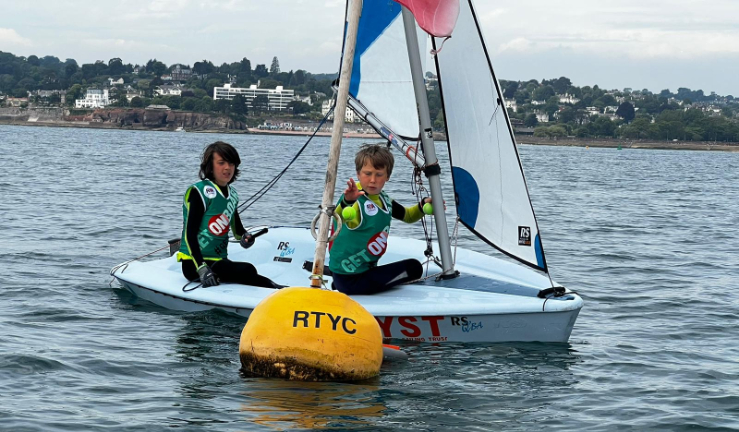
x: 363, y: 239
x: 209, y: 212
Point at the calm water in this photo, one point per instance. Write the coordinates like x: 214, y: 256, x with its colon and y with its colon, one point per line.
x: 649, y: 239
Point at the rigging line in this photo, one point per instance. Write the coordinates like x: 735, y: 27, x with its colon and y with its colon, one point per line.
x: 261, y: 192
x: 125, y: 264
x: 417, y: 189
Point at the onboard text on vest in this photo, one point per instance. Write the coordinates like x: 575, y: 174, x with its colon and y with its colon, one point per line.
x: 376, y: 246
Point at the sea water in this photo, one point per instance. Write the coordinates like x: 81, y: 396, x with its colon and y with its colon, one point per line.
x: 648, y: 238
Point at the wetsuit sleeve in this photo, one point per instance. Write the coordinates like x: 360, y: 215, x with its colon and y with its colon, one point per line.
x: 196, y: 211
x: 410, y: 214
x: 237, y: 227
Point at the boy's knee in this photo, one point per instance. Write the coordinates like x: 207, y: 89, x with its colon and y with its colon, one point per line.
x: 414, y: 268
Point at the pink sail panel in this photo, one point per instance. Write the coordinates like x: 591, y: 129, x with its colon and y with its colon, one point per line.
x: 436, y: 17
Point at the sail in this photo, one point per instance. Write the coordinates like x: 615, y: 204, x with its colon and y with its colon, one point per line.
x: 436, y: 17
x: 489, y: 184
x: 381, y: 77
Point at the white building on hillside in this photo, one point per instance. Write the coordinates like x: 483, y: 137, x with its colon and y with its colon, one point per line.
x: 277, y: 98
x: 349, y: 117
x: 95, y: 98
x: 568, y: 99
x: 541, y: 116
x: 511, y: 103
x: 168, y: 90
x: 304, y: 99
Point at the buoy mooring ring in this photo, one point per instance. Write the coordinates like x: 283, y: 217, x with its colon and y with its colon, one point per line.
x: 309, y: 334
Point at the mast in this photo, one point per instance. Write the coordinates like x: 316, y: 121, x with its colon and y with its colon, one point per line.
x: 333, y: 159
x: 432, y: 163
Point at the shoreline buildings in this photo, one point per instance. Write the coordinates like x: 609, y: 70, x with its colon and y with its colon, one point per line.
x: 277, y: 98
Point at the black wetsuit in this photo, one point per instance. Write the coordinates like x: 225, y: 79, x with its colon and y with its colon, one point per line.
x: 225, y: 269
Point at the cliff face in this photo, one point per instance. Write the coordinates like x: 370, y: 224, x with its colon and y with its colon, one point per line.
x: 31, y: 114
x: 121, y: 117
x: 159, y: 119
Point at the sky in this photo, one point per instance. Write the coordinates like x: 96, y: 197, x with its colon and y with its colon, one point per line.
x: 652, y: 44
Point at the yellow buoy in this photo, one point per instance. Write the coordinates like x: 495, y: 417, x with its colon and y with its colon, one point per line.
x: 311, y: 334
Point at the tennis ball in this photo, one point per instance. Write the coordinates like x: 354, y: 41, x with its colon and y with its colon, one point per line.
x: 348, y: 213
x: 428, y: 208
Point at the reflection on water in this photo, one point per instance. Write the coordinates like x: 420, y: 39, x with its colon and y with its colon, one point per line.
x: 282, y: 404
x: 211, y: 339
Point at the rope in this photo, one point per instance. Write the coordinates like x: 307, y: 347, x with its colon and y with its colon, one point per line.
x: 246, y: 204
x: 260, y: 193
x: 125, y: 264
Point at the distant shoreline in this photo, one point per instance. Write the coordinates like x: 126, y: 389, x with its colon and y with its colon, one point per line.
x: 630, y: 144
x: 521, y: 139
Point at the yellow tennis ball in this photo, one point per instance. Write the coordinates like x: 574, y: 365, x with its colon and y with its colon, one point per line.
x: 428, y: 208
x: 348, y: 213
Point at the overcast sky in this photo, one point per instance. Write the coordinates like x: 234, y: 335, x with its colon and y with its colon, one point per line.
x: 653, y: 44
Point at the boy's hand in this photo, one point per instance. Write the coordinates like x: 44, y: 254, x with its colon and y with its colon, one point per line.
x: 351, y: 193
x: 246, y: 241
x: 428, y: 200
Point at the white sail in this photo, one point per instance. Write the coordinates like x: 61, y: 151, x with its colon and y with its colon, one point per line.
x: 489, y: 183
x: 381, y: 78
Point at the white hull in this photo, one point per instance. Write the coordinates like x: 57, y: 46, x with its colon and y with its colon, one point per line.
x: 493, y: 300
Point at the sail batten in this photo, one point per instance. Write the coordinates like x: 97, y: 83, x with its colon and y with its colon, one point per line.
x: 490, y: 187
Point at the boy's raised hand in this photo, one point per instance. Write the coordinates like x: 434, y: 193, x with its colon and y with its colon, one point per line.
x: 351, y: 193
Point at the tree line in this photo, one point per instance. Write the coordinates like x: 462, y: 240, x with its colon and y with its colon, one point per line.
x: 21, y: 75
x: 687, y: 114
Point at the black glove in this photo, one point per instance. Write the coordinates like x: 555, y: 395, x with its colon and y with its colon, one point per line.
x: 207, y: 277
x: 247, y: 241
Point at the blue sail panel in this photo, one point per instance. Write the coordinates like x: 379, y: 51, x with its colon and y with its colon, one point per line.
x: 381, y: 76
x: 489, y: 179
x: 467, y: 196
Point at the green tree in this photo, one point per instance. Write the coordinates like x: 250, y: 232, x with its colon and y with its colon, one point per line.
x: 115, y: 66
x: 530, y: 120
x: 543, y: 93
x: 439, y: 122
x: 274, y: 68
x: 239, y: 106
x: 561, y: 85
x: 189, y: 103
x: 269, y: 83
x: 298, y: 107
x: 137, y: 102
x: 299, y: 77
x: 568, y: 115
x: 223, y: 106
x: 156, y: 67
x: 626, y: 111
x: 510, y: 89
x: 74, y: 93
x: 260, y: 103
x: 203, y: 67
x: 261, y: 71
x: 245, y: 67
x: 70, y: 68
x: 211, y: 84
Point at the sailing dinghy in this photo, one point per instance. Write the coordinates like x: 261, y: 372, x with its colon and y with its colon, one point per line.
x: 464, y: 296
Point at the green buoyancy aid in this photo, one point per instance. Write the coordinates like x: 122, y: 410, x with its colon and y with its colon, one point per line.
x: 357, y: 250
x: 217, y: 220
